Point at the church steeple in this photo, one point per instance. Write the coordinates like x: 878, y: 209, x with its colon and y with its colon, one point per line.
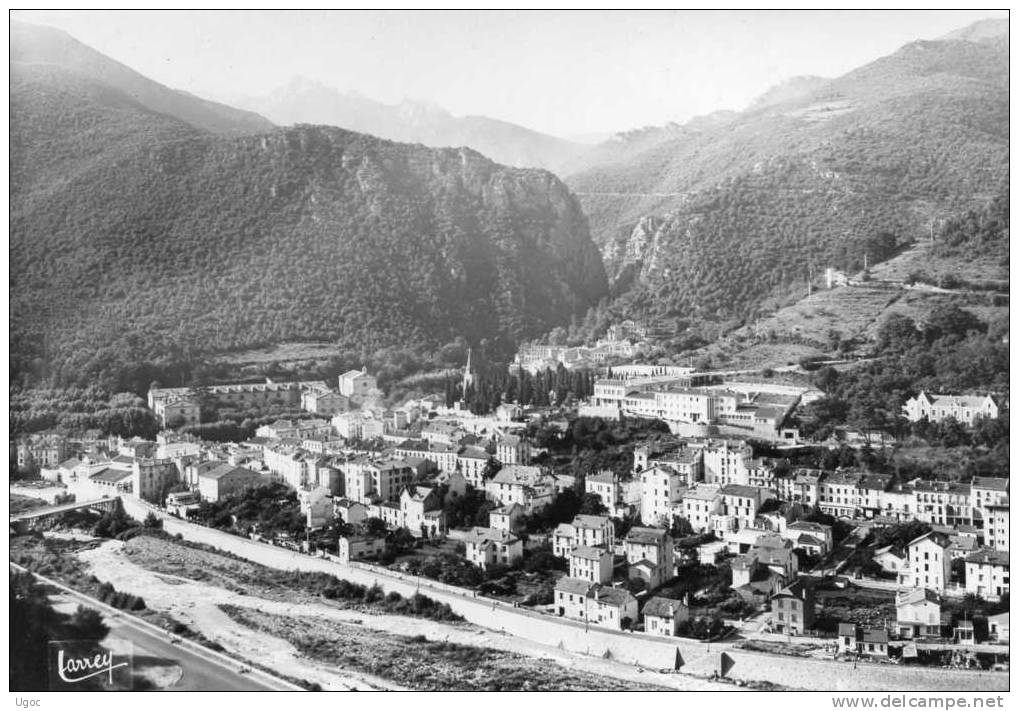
x: 468, y: 374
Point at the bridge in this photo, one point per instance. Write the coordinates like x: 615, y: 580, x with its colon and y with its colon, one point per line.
x: 22, y: 522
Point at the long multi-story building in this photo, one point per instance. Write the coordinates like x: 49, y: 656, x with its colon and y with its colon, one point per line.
x: 240, y: 395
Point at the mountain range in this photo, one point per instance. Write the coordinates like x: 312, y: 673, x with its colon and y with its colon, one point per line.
x: 307, y: 101
x: 148, y: 226
x: 708, y: 219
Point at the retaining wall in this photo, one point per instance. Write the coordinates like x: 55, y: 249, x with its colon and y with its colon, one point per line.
x: 697, y: 658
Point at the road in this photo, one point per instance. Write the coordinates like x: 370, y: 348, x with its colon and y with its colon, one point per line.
x: 204, y: 670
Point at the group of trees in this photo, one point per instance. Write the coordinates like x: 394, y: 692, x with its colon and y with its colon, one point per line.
x: 951, y: 351
x: 271, y: 508
x: 34, y: 624
x: 542, y: 389
x: 80, y: 409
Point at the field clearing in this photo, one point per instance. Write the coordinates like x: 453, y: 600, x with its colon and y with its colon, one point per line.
x: 422, y: 664
x: 282, y: 353
x: 919, y: 259
x: 21, y: 504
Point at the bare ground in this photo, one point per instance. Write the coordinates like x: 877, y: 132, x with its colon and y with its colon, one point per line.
x: 199, y: 605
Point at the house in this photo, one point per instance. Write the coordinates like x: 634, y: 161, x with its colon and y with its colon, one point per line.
x: 996, y: 528
x: 651, y: 544
x: 349, y: 511
x: 935, y: 408
x: 511, y: 449
x: 506, y: 518
x: 663, y: 616
x: 792, y: 608
x: 997, y: 627
x: 928, y: 562
x: 323, y: 401
x: 152, y: 478
x: 584, y: 530
x: 182, y: 503
x: 589, y: 563
x: 614, y: 608
x: 864, y: 642
x: 422, y: 511
x: 711, y: 553
x: 838, y: 493
x: 604, y: 485
x: 700, y: 505
x: 918, y: 614
x: 653, y: 575
x: 43, y: 449
x: 107, y: 481
x: 570, y: 596
x: 964, y: 633
x: 177, y: 411
x: 487, y: 547
x: 357, y: 385
x: 360, y: 547
x: 225, y: 479
x: 472, y: 462
x: 741, y: 503
x: 661, y: 486
x: 518, y: 484
x: 814, y: 538
x: 942, y: 503
x: 987, y: 573
x: 317, y: 507
x: 892, y: 559
x: 985, y: 490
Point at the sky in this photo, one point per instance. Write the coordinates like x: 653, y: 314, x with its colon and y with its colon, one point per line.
x: 567, y: 73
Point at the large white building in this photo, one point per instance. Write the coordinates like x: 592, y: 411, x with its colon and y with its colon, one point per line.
x: 936, y: 408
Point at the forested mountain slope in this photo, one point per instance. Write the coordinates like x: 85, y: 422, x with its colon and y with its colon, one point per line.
x: 708, y: 219
x: 139, y: 240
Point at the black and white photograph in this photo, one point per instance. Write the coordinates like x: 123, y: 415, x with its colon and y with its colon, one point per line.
x: 509, y: 350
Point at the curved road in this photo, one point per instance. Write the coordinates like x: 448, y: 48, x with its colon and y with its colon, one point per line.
x: 204, y: 669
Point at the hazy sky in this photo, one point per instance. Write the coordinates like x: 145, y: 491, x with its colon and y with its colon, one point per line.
x: 561, y: 72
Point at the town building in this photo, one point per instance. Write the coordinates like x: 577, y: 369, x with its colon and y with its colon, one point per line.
x: 223, y: 479
x: 151, y: 479
x: 592, y: 564
x: 987, y: 574
x: 512, y: 449
x: 918, y: 614
x: 663, y: 616
x: 324, y: 401
x: 928, y: 562
x: 516, y: 484
x: 356, y: 385
x: 354, y: 548
x: 651, y: 544
x: 584, y: 530
x: 792, y: 609
x: 935, y: 408
x: 996, y: 528
x: 487, y: 547
x: 661, y: 486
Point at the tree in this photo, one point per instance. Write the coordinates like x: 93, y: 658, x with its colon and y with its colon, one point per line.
x: 375, y: 526
x: 152, y: 521
x: 88, y: 624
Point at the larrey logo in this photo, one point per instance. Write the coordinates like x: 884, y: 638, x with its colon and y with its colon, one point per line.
x: 75, y: 669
